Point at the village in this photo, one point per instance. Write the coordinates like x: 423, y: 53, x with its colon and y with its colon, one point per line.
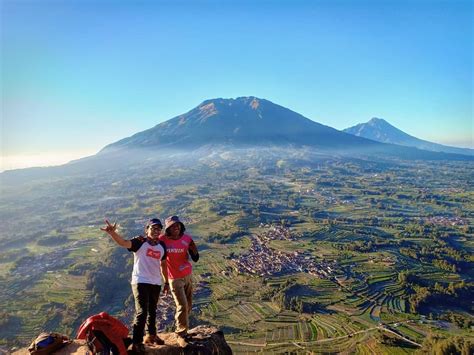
x: 262, y: 260
x: 32, y: 266
x: 447, y: 221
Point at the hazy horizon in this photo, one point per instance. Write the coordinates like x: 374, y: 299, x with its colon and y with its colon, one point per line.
x: 56, y: 159
x: 75, y: 78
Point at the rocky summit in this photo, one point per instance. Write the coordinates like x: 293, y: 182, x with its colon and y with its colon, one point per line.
x: 241, y: 121
x: 202, y: 340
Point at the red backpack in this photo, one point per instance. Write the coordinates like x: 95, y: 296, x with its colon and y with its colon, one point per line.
x: 104, y: 334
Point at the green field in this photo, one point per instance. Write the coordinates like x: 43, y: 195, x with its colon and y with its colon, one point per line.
x: 397, y: 237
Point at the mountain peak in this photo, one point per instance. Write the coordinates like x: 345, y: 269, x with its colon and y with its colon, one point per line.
x: 377, y: 120
x: 255, y: 103
x: 252, y: 101
x: 221, y: 106
x: 246, y: 120
x: 380, y: 130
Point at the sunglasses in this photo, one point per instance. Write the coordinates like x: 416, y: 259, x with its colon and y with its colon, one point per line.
x: 156, y: 227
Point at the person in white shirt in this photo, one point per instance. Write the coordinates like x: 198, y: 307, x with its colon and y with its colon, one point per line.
x: 148, y: 252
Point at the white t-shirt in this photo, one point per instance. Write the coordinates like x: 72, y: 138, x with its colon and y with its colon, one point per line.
x: 147, y: 261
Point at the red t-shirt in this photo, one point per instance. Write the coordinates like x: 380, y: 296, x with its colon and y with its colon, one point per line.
x: 177, y: 257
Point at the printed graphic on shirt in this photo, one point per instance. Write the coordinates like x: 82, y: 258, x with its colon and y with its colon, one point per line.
x: 147, y: 256
x: 153, y: 254
x: 177, y: 256
x: 175, y: 250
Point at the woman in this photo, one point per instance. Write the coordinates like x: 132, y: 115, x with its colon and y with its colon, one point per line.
x: 148, y: 252
x: 177, y: 270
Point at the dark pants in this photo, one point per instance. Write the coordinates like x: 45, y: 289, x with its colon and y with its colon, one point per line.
x: 146, y: 302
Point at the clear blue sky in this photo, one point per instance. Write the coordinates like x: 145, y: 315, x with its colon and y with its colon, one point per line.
x: 80, y: 74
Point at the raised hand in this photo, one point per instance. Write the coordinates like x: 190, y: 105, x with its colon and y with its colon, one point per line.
x: 109, y: 228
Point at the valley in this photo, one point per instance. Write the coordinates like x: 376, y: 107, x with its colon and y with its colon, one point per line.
x: 300, y: 251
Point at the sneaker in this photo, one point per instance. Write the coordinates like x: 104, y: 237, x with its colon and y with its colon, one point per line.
x: 181, y: 340
x: 149, y: 339
x: 153, y: 339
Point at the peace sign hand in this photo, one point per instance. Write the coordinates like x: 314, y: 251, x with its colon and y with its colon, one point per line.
x: 110, y: 228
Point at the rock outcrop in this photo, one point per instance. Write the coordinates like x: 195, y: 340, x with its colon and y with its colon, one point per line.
x: 203, y: 340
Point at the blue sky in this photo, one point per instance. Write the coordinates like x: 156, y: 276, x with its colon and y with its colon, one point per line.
x: 80, y: 74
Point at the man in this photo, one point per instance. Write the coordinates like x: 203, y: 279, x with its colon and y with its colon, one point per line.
x: 148, y: 253
x: 177, y: 271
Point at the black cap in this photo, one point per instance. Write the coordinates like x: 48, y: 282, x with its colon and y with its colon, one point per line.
x: 154, y: 222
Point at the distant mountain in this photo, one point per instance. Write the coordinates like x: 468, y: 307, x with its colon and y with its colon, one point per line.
x: 245, y: 121
x: 380, y: 130
x: 224, y: 126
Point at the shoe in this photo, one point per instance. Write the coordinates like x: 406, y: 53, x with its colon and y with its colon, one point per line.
x: 138, y: 349
x: 149, y: 339
x: 159, y: 341
x: 153, y: 339
x: 181, y: 340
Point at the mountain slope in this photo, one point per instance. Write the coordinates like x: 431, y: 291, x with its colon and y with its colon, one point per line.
x: 380, y: 130
x: 241, y: 121
x: 226, y: 125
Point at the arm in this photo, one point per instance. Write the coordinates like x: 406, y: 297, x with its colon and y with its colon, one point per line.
x: 111, y: 230
x: 193, y: 251
x: 164, y: 275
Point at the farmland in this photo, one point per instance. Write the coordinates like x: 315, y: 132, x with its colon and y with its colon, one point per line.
x: 308, y: 254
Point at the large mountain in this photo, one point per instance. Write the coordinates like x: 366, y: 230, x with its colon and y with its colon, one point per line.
x: 245, y: 121
x: 228, y: 125
x: 380, y: 130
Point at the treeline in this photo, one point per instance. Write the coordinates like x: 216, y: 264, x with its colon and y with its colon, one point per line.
x: 110, y: 279
x: 440, y: 254
x: 421, y: 295
x: 430, y: 258
x: 461, y: 320
x: 360, y: 246
x: 391, y: 340
x: 275, y: 293
x: 364, y: 246
x: 223, y: 238
x: 422, y: 229
x: 280, y: 296
x: 450, y: 346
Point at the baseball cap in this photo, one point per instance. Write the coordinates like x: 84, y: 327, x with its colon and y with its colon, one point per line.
x: 154, y: 222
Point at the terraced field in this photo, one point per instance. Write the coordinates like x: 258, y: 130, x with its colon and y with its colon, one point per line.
x: 366, y: 238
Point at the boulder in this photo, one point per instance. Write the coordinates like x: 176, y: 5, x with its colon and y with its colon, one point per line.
x: 202, y: 340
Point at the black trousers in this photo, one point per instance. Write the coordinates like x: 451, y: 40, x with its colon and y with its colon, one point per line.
x: 146, y: 301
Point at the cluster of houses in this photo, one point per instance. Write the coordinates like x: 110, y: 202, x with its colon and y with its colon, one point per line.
x: 263, y: 260
x: 447, y: 221
x: 47, y: 262
x: 325, y: 196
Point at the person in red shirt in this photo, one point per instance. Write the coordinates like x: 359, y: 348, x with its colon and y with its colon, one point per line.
x: 177, y: 270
